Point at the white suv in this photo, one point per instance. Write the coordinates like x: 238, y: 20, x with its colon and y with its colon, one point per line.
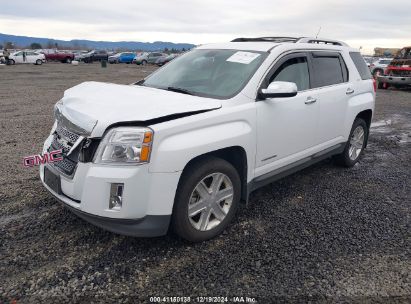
x: 184, y: 146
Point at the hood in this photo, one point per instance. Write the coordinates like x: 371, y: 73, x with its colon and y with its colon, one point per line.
x: 93, y: 106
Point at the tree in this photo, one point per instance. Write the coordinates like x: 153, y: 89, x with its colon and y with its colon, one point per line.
x: 9, y: 45
x: 35, y: 46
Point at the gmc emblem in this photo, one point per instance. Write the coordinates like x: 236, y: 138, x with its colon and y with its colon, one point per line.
x: 47, y: 157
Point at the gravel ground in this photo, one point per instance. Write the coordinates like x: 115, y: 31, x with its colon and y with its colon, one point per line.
x: 324, y: 234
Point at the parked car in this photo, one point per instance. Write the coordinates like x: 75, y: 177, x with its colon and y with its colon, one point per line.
x: 126, y: 57
x: 60, y: 56
x: 377, y: 67
x: 27, y: 57
x: 79, y: 54
x: 165, y: 59
x: 368, y: 60
x: 398, y: 72
x: 184, y: 146
x: 92, y: 56
x: 147, y: 58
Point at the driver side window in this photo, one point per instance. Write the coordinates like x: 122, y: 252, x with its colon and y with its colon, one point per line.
x: 294, y: 70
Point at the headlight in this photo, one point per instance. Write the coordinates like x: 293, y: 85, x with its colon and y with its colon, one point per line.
x: 125, y: 145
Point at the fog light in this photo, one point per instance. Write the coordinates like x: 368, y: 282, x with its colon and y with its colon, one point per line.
x: 116, y: 196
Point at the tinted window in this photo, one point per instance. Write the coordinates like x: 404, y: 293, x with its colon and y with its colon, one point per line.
x: 328, y: 71
x: 294, y: 70
x: 361, y: 66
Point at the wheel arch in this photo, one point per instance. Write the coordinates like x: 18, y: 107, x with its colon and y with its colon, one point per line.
x: 366, y: 115
x: 236, y: 156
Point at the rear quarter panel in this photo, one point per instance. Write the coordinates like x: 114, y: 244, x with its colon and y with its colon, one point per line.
x: 363, y: 97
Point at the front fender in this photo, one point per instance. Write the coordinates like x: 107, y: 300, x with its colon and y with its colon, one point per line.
x: 176, y: 145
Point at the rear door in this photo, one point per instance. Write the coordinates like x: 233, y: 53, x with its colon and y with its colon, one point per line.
x: 330, y: 81
x: 31, y: 57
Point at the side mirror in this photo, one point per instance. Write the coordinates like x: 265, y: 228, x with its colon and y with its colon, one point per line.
x: 278, y: 89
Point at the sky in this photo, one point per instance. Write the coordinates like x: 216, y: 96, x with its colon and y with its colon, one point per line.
x: 360, y: 23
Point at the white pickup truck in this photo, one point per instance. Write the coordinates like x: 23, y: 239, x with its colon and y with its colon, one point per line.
x: 183, y: 147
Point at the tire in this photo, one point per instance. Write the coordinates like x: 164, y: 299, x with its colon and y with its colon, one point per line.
x: 214, y: 216
x: 144, y: 62
x: 39, y: 62
x: 12, y: 62
x: 68, y: 60
x: 381, y: 85
x: 355, y: 145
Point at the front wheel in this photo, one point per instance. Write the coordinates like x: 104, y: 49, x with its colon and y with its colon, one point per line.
x: 355, y: 145
x: 144, y: 62
x: 207, y: 198
x: 68, y: 60
x: 39, y: 62
x: 11, y: 62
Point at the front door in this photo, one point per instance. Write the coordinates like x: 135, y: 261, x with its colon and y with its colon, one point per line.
x: 286, y: 127
x: 18, y: 57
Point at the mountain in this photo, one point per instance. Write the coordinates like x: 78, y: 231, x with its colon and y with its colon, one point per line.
x: 24, y: 41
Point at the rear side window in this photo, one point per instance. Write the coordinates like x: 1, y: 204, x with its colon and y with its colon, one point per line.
x: 328, y: 70
x: 361, y: 66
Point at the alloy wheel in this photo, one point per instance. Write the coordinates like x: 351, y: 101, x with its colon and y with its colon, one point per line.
x: 210, y: 201
x: 356, y: 142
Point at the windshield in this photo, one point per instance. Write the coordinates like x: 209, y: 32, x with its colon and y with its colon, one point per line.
x: 209, y: 73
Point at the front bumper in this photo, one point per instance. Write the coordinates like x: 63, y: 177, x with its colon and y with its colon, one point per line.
x: 396, y: 80
x: 147, y: 197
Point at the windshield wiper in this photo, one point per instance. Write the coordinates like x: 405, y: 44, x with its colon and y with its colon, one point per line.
x: 180, y: 90
x: 140, y: 82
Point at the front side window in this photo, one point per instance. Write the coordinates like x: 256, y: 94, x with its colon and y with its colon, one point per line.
x: 294, y: 70
x: 209, y: 73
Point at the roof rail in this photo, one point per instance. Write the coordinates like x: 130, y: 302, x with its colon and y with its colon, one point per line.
x: 321, y: 41
x: 291, y: 39
x: 266, y: 39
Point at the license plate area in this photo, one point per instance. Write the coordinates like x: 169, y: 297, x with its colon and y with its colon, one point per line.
x: 52, y: 180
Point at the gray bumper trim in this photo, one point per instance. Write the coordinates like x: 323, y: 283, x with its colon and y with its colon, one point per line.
x: 148, y: 226
x: 395, y: 80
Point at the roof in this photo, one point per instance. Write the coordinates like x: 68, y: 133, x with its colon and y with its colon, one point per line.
x: 265, y: 44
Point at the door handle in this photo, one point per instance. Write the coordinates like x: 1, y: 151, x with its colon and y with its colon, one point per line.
x: 310, y: 100
x: 349, y: 91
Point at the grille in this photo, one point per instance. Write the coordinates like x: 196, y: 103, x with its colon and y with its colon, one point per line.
x: 64, y: 139
x: 70, y: 136
x: 66, y: 165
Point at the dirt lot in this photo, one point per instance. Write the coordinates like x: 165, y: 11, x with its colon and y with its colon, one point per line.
x: 324, y: 234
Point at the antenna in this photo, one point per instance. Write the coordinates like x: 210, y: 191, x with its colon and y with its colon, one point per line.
x: 319, y: 30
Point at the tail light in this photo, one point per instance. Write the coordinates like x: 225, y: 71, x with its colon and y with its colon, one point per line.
x: 374, y: 83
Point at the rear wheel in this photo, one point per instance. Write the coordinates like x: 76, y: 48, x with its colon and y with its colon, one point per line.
x: 39, y: 62
x: 68, y: 60
x: 207, y: 199
x: 355, y: 145
x: 11, y: 62
x: 144, y: 62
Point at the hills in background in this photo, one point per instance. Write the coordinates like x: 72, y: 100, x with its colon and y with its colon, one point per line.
x: 24, y: 41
